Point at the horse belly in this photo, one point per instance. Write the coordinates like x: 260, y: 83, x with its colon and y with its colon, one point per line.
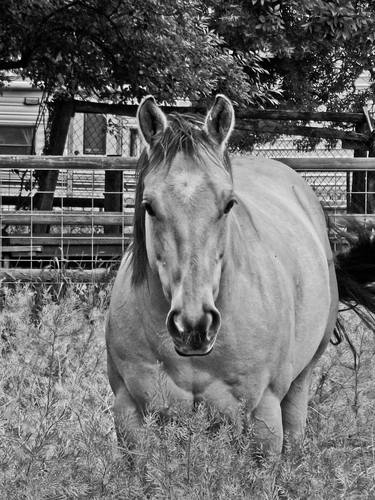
x: 316, y: 313
x: 290, y: 304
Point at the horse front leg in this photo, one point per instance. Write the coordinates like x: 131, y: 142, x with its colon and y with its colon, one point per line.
x: 268, y: 429
x: 127, y: 417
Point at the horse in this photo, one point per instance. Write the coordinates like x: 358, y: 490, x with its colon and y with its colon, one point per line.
x: 230, y: 285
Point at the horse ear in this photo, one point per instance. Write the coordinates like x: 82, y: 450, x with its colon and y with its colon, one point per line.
x: 151, y: 119
x: 220, y: 120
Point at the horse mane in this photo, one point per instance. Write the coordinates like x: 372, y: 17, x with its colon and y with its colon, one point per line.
x: 184, y: 133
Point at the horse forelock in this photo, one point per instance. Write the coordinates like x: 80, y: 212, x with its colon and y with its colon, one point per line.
x: 184, y: 134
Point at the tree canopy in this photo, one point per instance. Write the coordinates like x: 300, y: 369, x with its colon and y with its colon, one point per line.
x: 312, y: 50
x: 295, y: 53
x: 119, y: 49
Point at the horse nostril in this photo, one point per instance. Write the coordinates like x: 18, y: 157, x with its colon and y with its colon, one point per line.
x: 173, y: 323
x: 214, y: 322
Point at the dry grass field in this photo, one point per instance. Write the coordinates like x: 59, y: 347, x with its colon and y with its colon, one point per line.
x: 57, y: 438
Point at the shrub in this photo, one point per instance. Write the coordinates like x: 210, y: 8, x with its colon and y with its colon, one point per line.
x: 57, y: 437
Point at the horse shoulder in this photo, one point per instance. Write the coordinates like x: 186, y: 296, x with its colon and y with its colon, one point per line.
x: 269, y: 183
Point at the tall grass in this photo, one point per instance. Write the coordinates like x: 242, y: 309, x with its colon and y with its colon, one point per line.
x: 57, y: 438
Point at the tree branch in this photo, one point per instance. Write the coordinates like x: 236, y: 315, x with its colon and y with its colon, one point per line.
x: 274, y: 127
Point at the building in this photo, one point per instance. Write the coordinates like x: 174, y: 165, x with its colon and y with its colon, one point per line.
x: 19, y: 114
x: 23, y: 120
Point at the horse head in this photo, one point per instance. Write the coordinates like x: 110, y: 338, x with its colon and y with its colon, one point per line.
x: 183, y: 203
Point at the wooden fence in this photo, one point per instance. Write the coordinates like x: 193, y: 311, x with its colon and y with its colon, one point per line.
x: 79, y: 231
x: 90, y: 237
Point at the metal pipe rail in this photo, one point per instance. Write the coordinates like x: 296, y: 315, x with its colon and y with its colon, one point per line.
x: 329, y: 164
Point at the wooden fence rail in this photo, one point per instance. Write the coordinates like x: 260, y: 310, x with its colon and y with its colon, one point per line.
x: 67, y: 162
x: 127, y: 163
x: 80, y: 218
x: 270, y: 114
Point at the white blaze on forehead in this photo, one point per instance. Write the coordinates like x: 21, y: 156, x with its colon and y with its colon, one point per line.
x: 187, y: 183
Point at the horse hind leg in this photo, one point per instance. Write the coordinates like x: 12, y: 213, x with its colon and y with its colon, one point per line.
x: 294, y: 407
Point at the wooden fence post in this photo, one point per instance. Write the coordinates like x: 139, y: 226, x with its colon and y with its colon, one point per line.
x: 358, y: 198
x: 113, y: 187
x: 371, y: 178
x: 60, y: 115
x: 133, y: 142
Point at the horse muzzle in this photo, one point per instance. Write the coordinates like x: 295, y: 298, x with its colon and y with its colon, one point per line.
x: 194, y: 337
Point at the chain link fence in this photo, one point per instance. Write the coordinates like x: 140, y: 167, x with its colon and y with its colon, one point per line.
x: 99, y: 134
x: 330, y: 187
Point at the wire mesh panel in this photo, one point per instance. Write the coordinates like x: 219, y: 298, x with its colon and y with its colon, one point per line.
x: 83, y: 233
x: 89, y: 222
x: 89, y: 225
x: 78, y: 234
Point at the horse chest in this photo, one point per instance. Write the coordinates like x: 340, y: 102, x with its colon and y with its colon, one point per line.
x: 224, y: 389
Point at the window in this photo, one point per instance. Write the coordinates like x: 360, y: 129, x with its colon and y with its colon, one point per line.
x: 94, y: 134
x: 16, y: 140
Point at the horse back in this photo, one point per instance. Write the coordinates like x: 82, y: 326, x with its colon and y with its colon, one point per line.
x: 277, y: 194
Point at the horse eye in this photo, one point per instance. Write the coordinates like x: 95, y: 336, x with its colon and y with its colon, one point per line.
x: 229, y: 206
x: 148, y: 209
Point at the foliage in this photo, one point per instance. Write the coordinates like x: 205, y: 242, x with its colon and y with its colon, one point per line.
x: 57, y: 436
x: 119, y: 49
x: 311, y: 51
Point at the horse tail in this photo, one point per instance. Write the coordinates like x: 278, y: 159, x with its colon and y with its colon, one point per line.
x: 355, y: 272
